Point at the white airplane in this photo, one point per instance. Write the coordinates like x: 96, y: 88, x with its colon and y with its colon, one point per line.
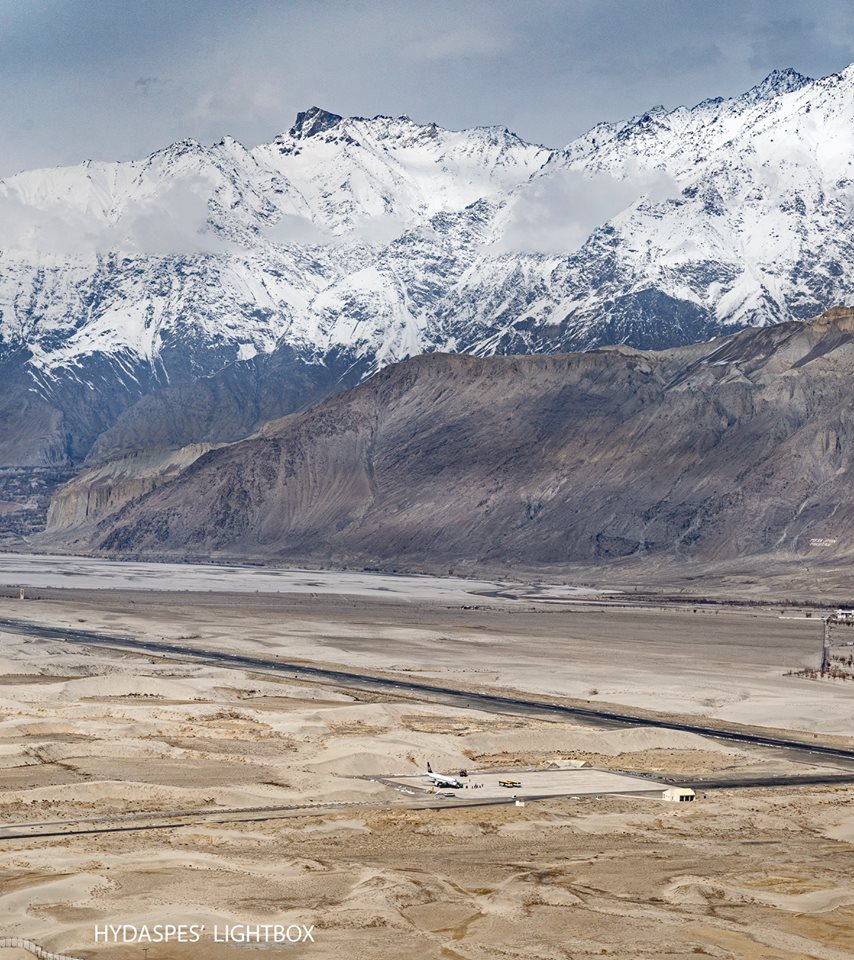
x: 441, y: 780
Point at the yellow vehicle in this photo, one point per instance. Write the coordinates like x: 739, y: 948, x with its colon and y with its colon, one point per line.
x: 509, y: 783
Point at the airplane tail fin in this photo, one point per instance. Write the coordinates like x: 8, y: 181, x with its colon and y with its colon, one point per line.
x: 429, y: 768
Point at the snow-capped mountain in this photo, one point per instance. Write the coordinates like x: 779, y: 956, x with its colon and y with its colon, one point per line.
x: 213, y: 248
x: 733, y: 213
x: 365, y: 241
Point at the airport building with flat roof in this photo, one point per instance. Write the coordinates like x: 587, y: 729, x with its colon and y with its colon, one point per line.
x: 678, y: 794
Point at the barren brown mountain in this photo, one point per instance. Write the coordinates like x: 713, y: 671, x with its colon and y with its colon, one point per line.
x: 740, y: 447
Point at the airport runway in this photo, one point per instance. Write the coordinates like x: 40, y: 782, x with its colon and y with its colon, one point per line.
x: 175, y: 819
x: 802, y: 749
x: 172, y: 819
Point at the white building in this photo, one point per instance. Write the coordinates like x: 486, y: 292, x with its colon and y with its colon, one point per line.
x: 678, y: 794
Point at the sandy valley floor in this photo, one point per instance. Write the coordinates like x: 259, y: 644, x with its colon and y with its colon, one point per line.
x: 724, y: 663
x: 90, y: 733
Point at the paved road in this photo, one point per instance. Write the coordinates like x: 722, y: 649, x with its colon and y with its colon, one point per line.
x: 171, y: 819
x: 449, y: 695
x: 713, y: 782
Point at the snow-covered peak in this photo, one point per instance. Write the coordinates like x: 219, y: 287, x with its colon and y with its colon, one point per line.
x: 316, y: 121
x: 313, y: 121
x: 658, y: 135
x: 382, y: 236
x: 372, y: 176
x: 777, y: 83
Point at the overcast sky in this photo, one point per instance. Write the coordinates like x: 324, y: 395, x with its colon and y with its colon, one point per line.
x: 116, y: 79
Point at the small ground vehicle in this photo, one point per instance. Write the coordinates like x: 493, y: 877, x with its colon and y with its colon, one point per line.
x: 510, y: 784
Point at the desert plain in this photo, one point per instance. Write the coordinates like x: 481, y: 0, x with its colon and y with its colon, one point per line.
x: 141, y: 788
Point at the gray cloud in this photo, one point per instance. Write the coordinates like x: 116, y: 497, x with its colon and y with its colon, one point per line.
x: 802, y: 39
x: 295, y: 229
x: 173, y: 222
x: 115, y: 81
x: 555, y: 214
x: 459, y: 43
x: 148, y: 85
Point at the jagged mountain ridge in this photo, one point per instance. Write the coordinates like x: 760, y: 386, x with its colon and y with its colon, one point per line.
x: 740, y: 448
x: 249, y: 247
x: 353, y: 241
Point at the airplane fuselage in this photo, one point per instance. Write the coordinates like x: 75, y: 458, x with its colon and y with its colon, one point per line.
x: 440, y: 780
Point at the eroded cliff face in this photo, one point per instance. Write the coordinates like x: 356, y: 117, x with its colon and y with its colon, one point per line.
x: 103, y: 489
x: 736, y: 448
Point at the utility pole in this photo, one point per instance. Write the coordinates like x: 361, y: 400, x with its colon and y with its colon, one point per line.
x: 825, y: 644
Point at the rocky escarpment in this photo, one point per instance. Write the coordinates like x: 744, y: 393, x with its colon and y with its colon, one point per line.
x: 736, y: 448
x: 103, y: 489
